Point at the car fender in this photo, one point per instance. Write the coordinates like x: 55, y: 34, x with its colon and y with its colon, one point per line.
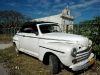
x: 16, y: 41
x: 61, y: 50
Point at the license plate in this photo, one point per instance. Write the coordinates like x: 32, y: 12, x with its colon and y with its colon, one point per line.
x: 91, y: 60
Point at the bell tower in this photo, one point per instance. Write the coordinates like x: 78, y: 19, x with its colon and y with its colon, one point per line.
x: 66, y: 12
x: 67, y: 19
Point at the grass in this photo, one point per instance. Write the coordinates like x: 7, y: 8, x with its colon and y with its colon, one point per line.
x: 27, y: 65
x: 5, y: 38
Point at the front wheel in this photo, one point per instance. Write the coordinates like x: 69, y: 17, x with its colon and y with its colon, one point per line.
x: 54, y: 64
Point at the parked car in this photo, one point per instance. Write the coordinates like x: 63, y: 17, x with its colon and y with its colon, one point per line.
x: 46, y: 41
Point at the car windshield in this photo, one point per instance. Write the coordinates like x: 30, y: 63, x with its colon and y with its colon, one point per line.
x: 49, y: 28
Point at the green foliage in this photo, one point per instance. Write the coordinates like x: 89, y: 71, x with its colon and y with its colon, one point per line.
x: 91, y: 29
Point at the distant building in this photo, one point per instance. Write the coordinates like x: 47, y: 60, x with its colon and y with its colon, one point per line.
x: 64, y: 19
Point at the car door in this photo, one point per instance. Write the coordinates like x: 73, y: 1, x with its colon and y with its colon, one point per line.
x: 29, y: 41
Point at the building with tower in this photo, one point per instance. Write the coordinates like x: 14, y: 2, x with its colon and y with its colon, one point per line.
x: 64, y: 19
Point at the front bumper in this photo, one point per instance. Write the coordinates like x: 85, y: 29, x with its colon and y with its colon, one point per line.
x: 84, y: 64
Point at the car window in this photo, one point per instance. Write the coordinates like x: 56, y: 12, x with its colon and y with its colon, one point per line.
x: 29, y: 29
x: 49, y: 28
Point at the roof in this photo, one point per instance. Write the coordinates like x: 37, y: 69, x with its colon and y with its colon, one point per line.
x: 31, y: 23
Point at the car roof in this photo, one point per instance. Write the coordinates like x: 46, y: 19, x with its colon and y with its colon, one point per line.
x: 27, y: 24
x: 34, y: 23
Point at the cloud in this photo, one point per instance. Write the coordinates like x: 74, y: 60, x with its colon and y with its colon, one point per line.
x: 57, y: 1
x: 82, y: 1
x: 39, y: 3
x: 30, y: 5
x: 12, y: 4
x: 39, y: 12
x: 85, y: 4
x: 71, y: 3
x: 76, y: 14
x: 31, y: 1
x: 60, y: 5
x: 44, y: 3
x: 46, y: 13
x: 88, y: 8
x: 56, y: 10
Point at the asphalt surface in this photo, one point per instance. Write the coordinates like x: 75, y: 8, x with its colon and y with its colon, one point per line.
x: 3, y: 46
x: 3, y: 69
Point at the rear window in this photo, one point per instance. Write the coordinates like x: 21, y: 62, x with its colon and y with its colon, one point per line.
x: 29, y: 29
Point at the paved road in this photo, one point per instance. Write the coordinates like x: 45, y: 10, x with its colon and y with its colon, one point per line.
x: 3, y: 46
x: 3, y: 70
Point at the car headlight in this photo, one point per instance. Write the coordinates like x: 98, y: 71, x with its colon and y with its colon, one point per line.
x: 74, y: 52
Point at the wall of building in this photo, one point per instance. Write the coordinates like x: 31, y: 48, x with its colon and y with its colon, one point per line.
x: 64, y: 19
x: 54, y: 18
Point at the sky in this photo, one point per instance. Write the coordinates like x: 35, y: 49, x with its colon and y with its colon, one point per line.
x: 80, y: 9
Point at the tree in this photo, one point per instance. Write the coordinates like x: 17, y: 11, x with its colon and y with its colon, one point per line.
x: 91, y: 28
x: 11, y: 18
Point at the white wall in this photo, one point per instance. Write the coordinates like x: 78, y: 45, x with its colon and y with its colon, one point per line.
x: 55, y: 18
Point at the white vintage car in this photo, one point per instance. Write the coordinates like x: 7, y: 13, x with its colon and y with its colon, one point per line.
x: 46, y: 41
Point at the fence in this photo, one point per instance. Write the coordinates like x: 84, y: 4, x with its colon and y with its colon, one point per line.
x: 9, y: 31
x: 77, y: 29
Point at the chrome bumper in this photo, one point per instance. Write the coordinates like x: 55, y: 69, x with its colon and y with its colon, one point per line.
x: 84, y: 64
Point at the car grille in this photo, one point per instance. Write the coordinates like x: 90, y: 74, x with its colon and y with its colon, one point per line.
x: 81, y: 56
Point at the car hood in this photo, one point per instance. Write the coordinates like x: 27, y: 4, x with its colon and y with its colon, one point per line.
x: 64, y: 37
